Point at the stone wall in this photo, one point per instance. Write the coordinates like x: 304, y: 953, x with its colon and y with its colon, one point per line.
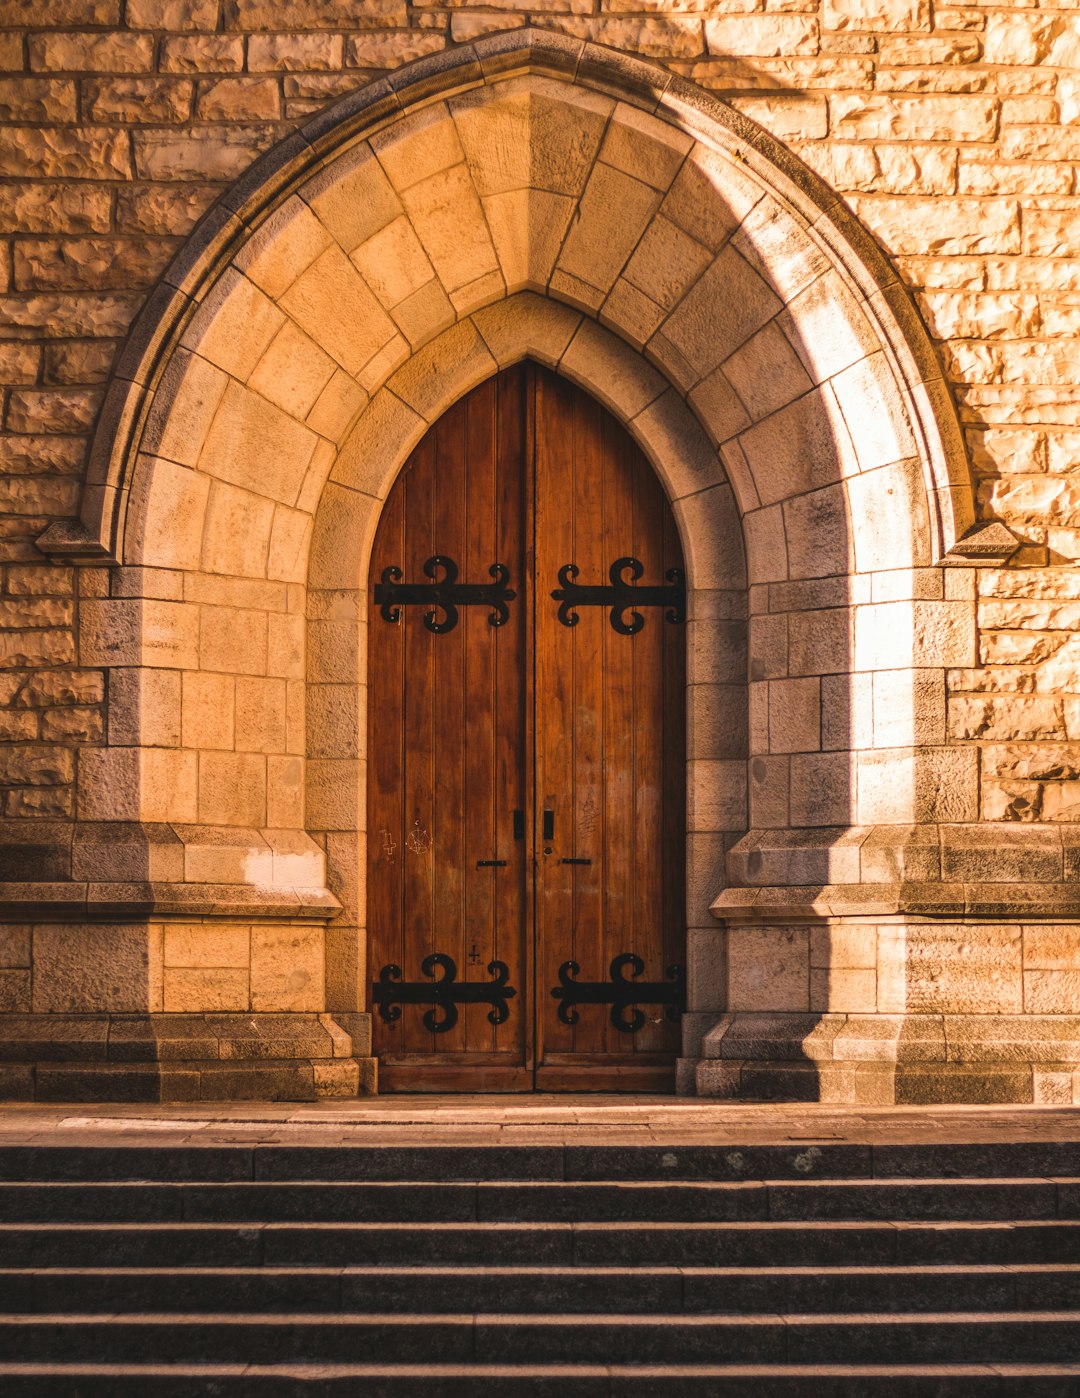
x: 950, y: 129
x: 172, y: 696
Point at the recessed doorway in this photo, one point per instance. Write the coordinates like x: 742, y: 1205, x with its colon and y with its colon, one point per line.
x: 526, y: 737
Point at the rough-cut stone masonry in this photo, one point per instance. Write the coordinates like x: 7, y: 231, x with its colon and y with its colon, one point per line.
x: 952, y: 130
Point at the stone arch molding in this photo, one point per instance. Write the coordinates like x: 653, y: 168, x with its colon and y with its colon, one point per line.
x: 523, y: 195
x: 527, y: 161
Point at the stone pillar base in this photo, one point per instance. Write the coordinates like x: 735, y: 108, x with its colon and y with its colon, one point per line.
x: 889, y: 1059
x: 185, y: 1057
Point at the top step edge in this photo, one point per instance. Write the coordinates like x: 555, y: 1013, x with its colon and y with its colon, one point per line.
x: 165, y: 1159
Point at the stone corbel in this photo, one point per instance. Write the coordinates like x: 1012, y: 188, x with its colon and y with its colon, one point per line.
x: 983, y: 546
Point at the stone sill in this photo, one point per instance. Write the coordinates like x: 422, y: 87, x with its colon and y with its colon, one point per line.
x: 124, y: 902
x: 157, y: 1038
x: 909, y: 1039
x: 948, y: 855
x: 1011, y: 901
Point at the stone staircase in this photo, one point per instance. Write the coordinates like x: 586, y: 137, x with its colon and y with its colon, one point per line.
x: 540, y: 1270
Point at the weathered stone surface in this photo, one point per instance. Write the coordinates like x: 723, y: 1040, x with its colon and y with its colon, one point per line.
x: 37, y: 99
x: 317, y: 14
x: 211, y: 53
x: 164, y: 210
x: 91, y: 53
x: 70, y: 264
x: 138, y: 100
x: 172, y: 14
x: 290, y: 53
x: 57, y: 152
x: 215, y: 153
x: 238, y: 99
x: 763, y: 36
x: 371, y: 49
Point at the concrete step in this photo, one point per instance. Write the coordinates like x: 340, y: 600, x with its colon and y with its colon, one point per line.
x: 536, y: 1290
x: 540, y: 1381
x: 549, y: 1201
x: 963, y: 1337
x: 799, y: 1160
x: 755, y: 1244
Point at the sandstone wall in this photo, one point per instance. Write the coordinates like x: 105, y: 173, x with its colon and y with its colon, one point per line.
x: 952, y: 130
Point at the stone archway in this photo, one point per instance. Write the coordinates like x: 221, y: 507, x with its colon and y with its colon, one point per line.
x: 525, y: 195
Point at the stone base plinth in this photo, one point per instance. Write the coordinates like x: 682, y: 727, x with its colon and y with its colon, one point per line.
x: 185, y: 1057
x: 881, y: 1059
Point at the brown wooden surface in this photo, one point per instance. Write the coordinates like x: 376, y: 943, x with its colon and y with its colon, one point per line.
x: 466, y: 726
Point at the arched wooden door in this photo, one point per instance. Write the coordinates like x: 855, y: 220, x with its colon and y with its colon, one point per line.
x: 526, y: 733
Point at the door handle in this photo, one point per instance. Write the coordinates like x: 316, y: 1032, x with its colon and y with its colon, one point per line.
x: 575, y: 861
x: 519, y: 825
x: 549, y: 825
x: 491, y: 863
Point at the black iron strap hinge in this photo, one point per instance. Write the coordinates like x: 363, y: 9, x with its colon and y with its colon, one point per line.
x: 622, y: 596
x: 444, y: 594
x: 444, y: 994
x: 620, y: 993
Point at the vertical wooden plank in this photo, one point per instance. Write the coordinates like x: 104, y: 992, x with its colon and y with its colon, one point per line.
x: 649, y: 508
x: 478, y: 716
x: 553, y: 700
x: 448, y: 715
x: 617, y: 541
x: 386, y: 817
x: 583, y: 840
x: 418, y: 775
x: 509, y: 681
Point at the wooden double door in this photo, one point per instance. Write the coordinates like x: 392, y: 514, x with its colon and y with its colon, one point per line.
x: 526, y: 739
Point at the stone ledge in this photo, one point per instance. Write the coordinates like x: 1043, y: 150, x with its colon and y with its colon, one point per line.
x: 126, y: 902
x: 138, y: 869
x: 1013, y: 902
x: 909, y: 855
x: 163, y: 1057
x: 145, y: 1038
x: 889, y: 1059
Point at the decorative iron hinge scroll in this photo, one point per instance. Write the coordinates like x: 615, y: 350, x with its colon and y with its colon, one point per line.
x: 444, y: 994
x: 444, y: 594
x: 622, y: 596
x: 620, y: 993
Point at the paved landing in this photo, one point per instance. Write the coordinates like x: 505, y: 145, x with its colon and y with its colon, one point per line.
x: 577, y: 1120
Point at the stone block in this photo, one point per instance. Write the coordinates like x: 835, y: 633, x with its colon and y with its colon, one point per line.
x: 794, y: 715
x: 192, y: 991
x: 260, y: 714
x: 765, y: 36
x: 843, y: 989
x: 353, y: 197
x: 898, y: 786
x: 822, y: 788
x: 334, y: 305
x: 726, y: 306
x: 1051, y: 992
x: 286, y: 968
x: 204, y: 53
x: 232, y: 788
x: 768, y: 968
x: 232, y: 640
x: 716, y: 796
x: 801, y: 447
x: 950, y: 969
x: 884, y: 1038
x: 1052, y: 948
x: 96, y: 968
x: 449, y: 220
x: 536, y: 134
